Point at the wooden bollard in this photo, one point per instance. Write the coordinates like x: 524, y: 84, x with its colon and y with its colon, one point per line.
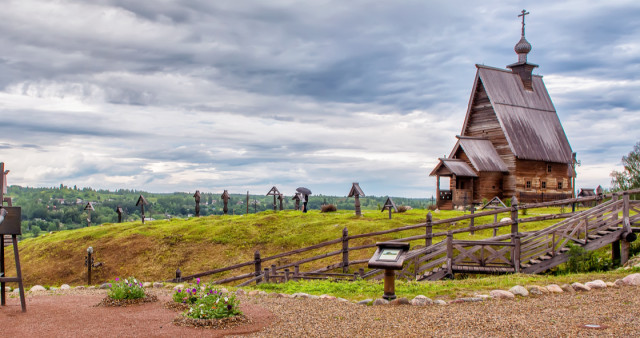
x: 89, y: 263
x: 472, y: 220
x: 429, y: 230
x: 257, y: 262
x: 345, y: 250
x: 266, y: 275
x: 273, y: 274
x: 286, y: 275
x: 296, y: 272
x: 361, y: 272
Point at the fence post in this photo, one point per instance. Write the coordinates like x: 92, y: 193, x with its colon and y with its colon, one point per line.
x: 273, y: 273
x: 296, y: 272
x: 472, y: 220
x: 515, y: 237
x: 257, y: 262
x: 428, y: 240
x: 286, y: 275
x: 627, y: 234
x: 266, y: 275
x: 361, y: 272
x: 450, y: 252
x: 345, y: 250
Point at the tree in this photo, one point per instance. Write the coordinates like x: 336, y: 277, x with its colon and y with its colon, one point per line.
x: 629, y: 178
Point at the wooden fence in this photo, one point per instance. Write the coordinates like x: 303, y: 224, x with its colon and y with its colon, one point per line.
x: 498, y: 254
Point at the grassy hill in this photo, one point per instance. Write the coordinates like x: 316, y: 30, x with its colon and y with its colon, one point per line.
x: 154, y: 251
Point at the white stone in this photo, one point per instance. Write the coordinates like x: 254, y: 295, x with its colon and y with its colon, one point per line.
x: 506, y: 219
x: 65, y: 287
x: 537, y: 290
x: 224, y: 290
x: 380, y: 301
x: 554, y: 288
x: 178, y: 287
x: 80, y: 287
x: 7, y: 289
x: 16, y: 290
x: 580, y: 287
x: 240, y: 292
x: 501, y: 294
x: 327, y: 297
x: 596, y: 284
x: 439, y: 302
x: 567, y: 288
x: 300, y: 295
x: 37, y: 288
x: 519, y: 290
x: 342, y: 300
x: 421, y: 300
x: 611, y: 285
x: 146, y: 284
x: 157, y: 285
x: 633, y: 279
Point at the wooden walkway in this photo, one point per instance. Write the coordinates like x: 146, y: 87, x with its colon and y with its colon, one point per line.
x: 614, y: 221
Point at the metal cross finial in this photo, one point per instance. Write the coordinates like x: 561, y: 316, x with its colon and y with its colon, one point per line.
x: 524, y: 12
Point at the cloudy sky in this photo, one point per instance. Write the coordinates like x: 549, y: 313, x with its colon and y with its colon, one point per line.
x: 170, y: 96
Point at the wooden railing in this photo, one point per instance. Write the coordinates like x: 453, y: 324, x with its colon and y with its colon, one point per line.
x: 506, y: 251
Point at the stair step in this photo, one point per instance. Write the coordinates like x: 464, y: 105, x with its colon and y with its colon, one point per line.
x: 544, y: 257
x: 613, y: 228
x: 562, y: 250
x: 525, y: 265
x: 535, y: 261
x: 594, y: 236
x: 603, y: 233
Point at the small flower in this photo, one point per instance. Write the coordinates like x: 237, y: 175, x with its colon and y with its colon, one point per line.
x: 229, y: 307
x: 197, y: 280
x: 179, y: 290
x: 117, y: 279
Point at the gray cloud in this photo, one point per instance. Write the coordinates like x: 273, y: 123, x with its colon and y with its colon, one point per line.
x: 178, y: 95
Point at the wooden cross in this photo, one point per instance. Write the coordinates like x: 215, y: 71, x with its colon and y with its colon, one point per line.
x: 524, y: 12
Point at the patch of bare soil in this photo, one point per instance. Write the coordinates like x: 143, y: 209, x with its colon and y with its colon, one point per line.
x: 74, y: 314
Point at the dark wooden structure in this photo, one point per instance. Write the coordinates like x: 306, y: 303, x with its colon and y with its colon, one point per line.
x: 119, y: 212
x: 297, y: 198
x: 89, y: 208
x: 388, y: 205
x: 511, y: 143
x: 274, y: 191
x: 10, y: 224
x: 141, y: 203
x: 389, y: 256
x: 225, y: 200
x: 281, y: 199
x: 356, y: 192
x: 196, y: 196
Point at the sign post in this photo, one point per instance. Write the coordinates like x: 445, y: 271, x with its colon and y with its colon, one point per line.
x: 390, y: 256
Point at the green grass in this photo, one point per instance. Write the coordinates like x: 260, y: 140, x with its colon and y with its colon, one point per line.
x: 154, y: 251
x: 445, y: 289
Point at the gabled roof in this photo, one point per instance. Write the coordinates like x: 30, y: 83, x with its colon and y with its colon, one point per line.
x: 455, y: 166
x: 481, y: 153
x: 528, y: 118
x: 356, y: 190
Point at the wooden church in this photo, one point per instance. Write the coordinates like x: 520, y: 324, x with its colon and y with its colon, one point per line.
x: 512, y: 142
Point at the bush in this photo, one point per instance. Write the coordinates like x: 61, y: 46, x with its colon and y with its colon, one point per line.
x: 328, y: 208
x: 581, y: 260
x: 191, y: 294
x: 130, y: 288
x: 404, y: 208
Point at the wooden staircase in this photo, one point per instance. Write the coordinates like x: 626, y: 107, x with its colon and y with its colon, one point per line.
x: 537, y: 251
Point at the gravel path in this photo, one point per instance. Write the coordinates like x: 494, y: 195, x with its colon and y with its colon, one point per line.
x: 72, y: 313
x: 558, y: 315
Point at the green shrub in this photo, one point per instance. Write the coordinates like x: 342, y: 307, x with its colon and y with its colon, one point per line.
x: 191, y: 293
x: 129, y: 288
x: 581, y: 260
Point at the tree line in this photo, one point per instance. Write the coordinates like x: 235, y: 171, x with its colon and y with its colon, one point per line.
x: 62, y: 208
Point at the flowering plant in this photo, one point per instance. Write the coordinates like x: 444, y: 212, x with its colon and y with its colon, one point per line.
x: 191, y: 293
x: 129, y: 288
x: 214, y: 306
x: 206, y: 301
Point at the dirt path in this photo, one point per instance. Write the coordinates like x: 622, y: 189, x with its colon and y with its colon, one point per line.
x: 73, y: 315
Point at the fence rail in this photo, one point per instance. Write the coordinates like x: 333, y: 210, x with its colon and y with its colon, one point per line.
x: 508, y: 251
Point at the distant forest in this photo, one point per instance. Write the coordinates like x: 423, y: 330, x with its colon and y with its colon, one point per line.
x: 61, y: 208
